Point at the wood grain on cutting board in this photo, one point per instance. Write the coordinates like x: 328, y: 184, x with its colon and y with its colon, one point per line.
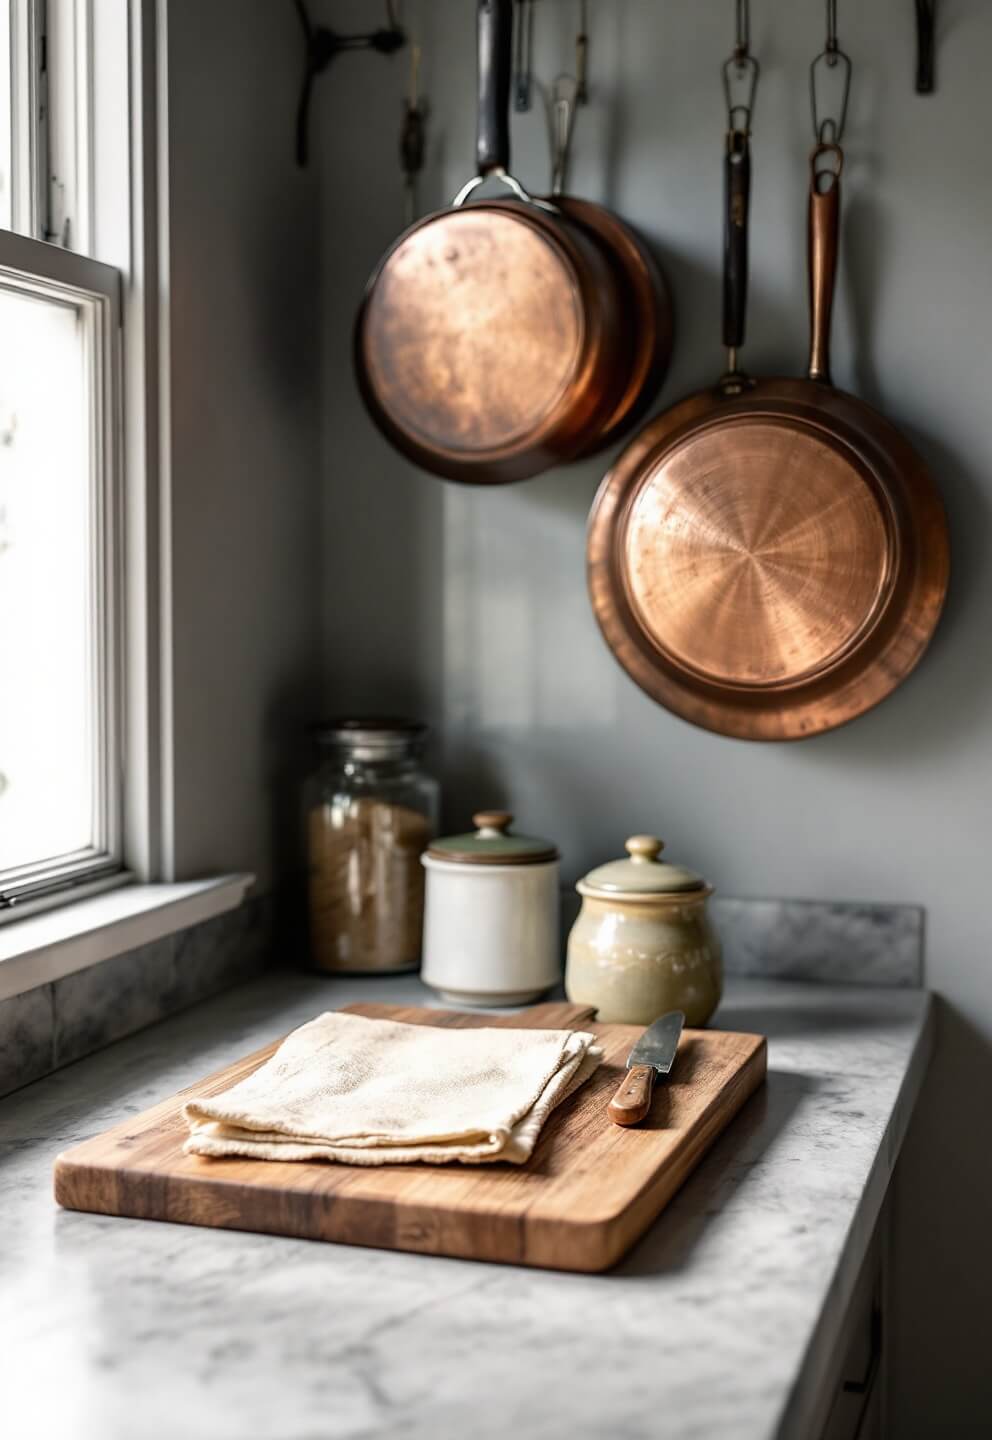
x: 588, y: 1192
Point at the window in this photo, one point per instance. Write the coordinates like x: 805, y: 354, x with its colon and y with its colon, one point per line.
x: 60, y: 561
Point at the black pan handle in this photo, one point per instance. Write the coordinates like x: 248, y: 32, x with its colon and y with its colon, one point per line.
x: 492, y: 149
x: 826, y: 163
x: 737, y: 193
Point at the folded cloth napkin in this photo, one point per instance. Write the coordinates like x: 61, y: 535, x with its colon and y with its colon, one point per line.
x: 377, y: 1092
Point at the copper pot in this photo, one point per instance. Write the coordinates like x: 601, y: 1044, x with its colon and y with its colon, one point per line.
x: 491, y: 341
x: 769, y: 560
x: 641, y: 281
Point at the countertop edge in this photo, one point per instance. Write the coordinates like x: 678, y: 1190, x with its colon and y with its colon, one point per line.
x: 800, y: 1413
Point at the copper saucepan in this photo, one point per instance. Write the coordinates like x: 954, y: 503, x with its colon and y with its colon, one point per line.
x: 769, y: 560
x: 641, y: 282
x: 490, y: 342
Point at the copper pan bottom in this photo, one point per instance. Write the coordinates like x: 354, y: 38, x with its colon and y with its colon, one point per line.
x: 488, y: 345
x: 768, y: 566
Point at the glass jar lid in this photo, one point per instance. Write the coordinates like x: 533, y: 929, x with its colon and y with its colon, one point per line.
x: 642, y: 873
x: 492, y: 844
x: 372, y: 737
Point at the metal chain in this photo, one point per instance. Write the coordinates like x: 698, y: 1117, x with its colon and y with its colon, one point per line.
x: 828, y: 127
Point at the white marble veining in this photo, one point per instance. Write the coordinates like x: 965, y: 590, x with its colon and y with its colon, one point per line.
x: 717, y: 1324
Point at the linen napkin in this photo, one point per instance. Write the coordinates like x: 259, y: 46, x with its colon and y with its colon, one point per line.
x: 379, y: 1092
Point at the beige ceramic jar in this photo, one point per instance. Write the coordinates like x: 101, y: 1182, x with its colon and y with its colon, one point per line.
x: 643, y: 943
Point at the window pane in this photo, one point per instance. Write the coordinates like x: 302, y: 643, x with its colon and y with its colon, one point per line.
x: 49, y: 713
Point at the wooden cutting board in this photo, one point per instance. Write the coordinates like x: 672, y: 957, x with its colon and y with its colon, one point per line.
x: 587, y: 1193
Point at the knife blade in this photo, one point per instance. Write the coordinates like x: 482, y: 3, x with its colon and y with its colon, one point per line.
x: 654, y: 1054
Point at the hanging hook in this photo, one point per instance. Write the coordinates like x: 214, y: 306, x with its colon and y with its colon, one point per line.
x: 829, y: 128
x: 320, y: 47
x: 740, y: 73
x: 564, y: 98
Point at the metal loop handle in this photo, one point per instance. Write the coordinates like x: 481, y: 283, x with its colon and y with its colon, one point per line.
x: 830, y: 173
x: 828, y: 129
x: 492, y: 151
x: 505, y: 178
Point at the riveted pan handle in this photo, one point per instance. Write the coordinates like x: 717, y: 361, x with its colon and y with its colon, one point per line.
x: 737, y: 199
x: 737, y: 194
x: 826, y: 163
x: 495, y: 38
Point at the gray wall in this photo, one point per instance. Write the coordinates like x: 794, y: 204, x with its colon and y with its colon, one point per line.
x: 470, y: 608
x: 245, y: 491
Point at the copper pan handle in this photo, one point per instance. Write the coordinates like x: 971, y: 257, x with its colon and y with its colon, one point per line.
x: 492, y: 145
x: 495, y: 39
x: 824, y: 228
x: 737, y: 199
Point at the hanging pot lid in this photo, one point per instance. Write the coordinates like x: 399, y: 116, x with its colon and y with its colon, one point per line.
x: 642, y: 874
x: 491, y: 844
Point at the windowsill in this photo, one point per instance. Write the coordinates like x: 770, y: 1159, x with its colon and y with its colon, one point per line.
x: 44, y: 947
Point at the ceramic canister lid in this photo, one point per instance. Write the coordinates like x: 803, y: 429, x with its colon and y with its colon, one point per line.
x: 642, y: 874
x: 492, y: 844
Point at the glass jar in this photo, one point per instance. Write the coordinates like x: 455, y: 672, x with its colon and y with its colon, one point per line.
x: 371, y: 810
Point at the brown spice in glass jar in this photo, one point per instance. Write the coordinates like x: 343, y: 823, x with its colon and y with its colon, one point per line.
x: 366, y: 885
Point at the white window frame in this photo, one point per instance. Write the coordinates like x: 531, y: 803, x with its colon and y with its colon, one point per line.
x: 122, y: 167
x: 51, y: 141
x: 32, y: 266
x: 48, y: 136
x: 125, y: 173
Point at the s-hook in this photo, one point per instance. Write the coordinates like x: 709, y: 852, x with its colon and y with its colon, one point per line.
x: 321, y: 47
x: 740, y: 74
x: 831, y: 67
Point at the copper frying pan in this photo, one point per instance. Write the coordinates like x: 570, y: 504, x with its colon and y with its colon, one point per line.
x: 769, y: 560
x: 640, y: 280
x: 490, y: 342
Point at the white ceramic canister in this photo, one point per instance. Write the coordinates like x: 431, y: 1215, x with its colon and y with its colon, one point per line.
x: 491, y: 915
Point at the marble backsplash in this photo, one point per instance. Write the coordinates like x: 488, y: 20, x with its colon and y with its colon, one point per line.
x: 835, y: 942
x: 838, y: 943
x: 63, y: 1020
x: 56, y: 1023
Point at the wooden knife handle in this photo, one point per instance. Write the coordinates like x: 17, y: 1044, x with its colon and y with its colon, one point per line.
x: 633, y: 1098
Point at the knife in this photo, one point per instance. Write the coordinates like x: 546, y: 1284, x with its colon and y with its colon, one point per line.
x: 654, y: 1054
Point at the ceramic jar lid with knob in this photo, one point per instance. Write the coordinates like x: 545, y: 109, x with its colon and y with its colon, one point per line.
x: 642, y: 874
x: 492, y: 844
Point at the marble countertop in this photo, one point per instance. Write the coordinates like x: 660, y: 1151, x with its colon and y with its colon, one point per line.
x: 720, y: 1322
